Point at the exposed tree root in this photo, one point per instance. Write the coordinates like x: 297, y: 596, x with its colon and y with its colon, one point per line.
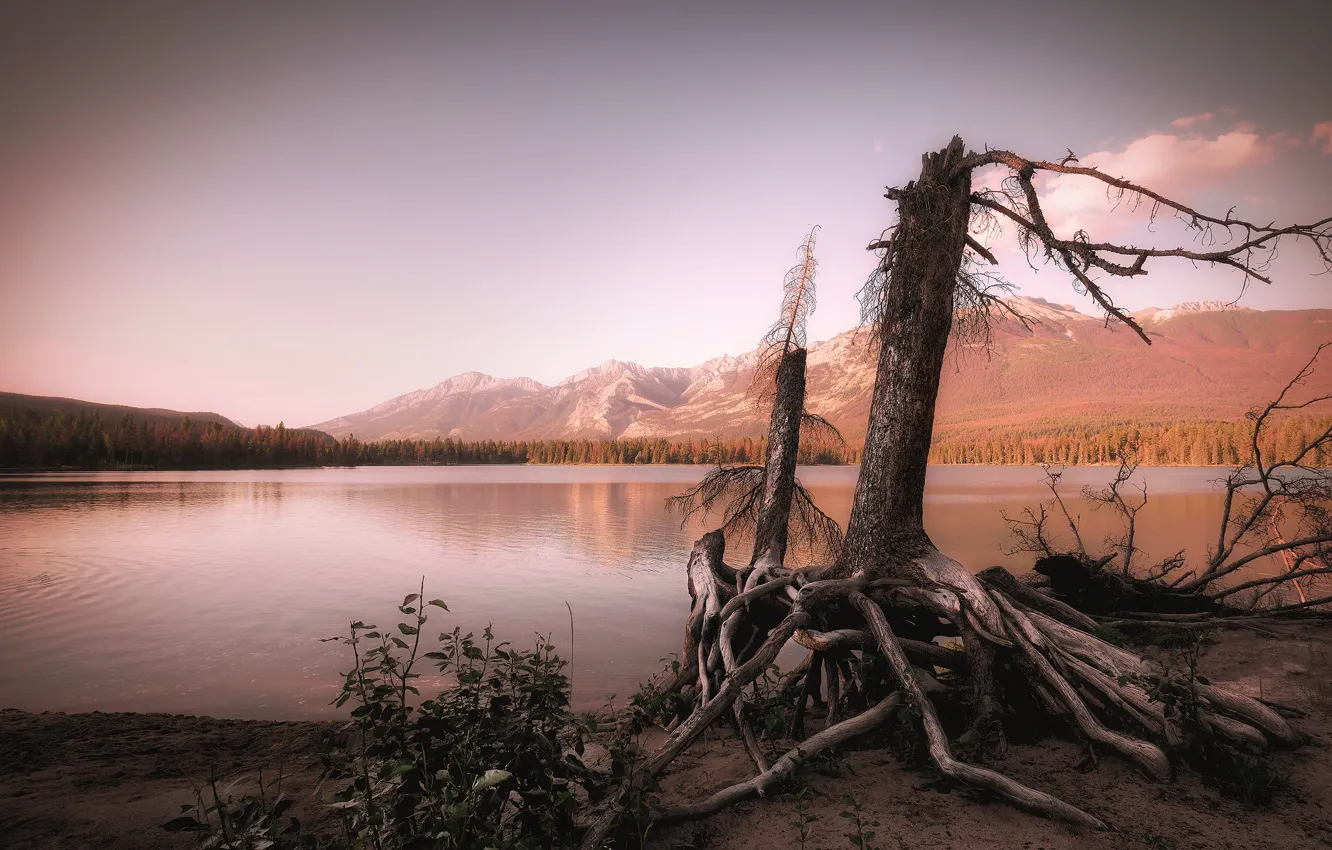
x: 834, y: 735
x: 872, y: 620
x: 1021, y: 795
x: 1101, y: 690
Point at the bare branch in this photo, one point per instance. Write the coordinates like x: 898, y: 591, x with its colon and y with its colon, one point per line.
x: 1244, y: 245
x: 980, y: 300
x: 982, y: 250
x: 788, y: 332
x: 1261, y: 490
x: 815, y: 427
x: 737, y: 492
x: 738, y: 488
x: 1113, y: 496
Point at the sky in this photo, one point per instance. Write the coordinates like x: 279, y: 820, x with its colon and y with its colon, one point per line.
x: 293, y: 211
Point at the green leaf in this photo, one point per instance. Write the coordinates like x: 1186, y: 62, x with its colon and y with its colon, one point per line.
x: 438, y: 603
x: 184, y: 824
x: 400, y: 643
x: 490, y: 779
x: 409, y: 599
x: 406, y: 629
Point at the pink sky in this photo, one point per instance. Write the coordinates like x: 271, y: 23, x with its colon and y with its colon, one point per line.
x: 296, y: 212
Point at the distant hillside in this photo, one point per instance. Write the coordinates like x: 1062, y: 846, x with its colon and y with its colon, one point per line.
x: 38, y: 433
x: 1207, y: 362
x: 15, y: 404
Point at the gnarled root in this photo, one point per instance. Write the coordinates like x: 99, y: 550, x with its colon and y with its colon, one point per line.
x: 1013, y: 640
x: 1021, y: 795
x: 834, y: 735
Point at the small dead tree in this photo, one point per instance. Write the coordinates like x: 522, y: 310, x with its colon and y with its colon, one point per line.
x: 768, y: 500
x: 891, y: 590
x: 1277, y: 507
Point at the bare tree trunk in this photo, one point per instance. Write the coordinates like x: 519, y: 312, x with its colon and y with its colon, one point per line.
x: 780, y: 461
x: 891, y: 585
x: 885, y: 529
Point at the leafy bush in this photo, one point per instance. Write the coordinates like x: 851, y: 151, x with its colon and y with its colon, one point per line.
x: 491, y: 762
x: 250, y: 823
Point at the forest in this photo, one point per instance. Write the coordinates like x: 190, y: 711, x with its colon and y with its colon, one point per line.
x: 86, y: 442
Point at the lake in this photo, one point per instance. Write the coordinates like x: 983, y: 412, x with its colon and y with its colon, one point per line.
x: 208, y: 592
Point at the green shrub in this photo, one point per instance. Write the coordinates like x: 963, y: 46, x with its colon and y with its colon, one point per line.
x: 491, y: 762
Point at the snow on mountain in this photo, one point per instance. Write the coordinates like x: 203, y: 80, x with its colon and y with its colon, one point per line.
x: 1156, y: 314
x: 1208, y: 360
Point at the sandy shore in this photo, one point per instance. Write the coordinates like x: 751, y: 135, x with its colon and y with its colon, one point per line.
x: 77, y: 781
x: 72, y: 781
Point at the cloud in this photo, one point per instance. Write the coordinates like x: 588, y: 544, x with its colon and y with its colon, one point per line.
x: 1191, y: 120
x: 1323, y: 130
x: 1175, y: 165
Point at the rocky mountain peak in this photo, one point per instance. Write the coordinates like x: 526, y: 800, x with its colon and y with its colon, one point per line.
x: 1072, y: 369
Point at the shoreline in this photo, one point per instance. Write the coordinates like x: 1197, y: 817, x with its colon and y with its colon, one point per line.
x: 109, y: 780
x: 17, y: 473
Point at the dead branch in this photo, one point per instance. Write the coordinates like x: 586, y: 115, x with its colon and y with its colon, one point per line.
x: 799, y: 300
x: 890, y: 595
x: 1247, y: 246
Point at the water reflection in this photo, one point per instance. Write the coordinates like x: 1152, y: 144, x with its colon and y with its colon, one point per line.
x: 207, y: 592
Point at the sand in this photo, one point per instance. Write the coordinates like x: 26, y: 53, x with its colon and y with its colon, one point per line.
x: 109, y: 780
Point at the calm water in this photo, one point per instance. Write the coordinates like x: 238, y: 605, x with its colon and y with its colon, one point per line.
x: 207, y: 592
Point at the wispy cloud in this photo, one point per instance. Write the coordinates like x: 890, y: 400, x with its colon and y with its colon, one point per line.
x: 1323, y: 130
x: 1192, y: 120
x: 1178, y: 165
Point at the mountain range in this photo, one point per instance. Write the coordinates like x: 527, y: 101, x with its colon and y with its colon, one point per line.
x: 1208, y: 360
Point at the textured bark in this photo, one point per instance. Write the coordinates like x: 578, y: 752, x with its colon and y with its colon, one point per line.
x: 780, y: 462
x: 889, y: 568
x: 886, y: 526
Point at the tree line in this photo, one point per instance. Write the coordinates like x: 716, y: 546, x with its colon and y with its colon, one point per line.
x: 85, y: 441
x: 1211, y: 443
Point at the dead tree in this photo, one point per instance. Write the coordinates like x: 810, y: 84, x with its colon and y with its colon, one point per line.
x: 1277, y: 505
x: 766, y: 499
x: 1020, y: 648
